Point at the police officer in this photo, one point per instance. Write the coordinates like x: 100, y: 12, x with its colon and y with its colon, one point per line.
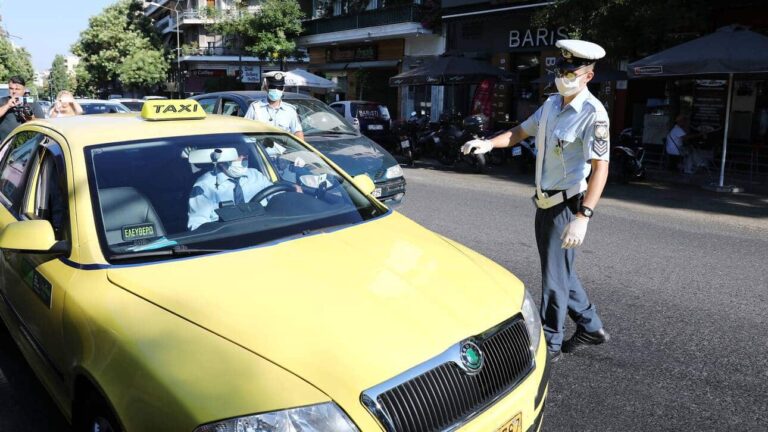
x: 571, y: 130
x: 231, y: 182
x: 274, y: 111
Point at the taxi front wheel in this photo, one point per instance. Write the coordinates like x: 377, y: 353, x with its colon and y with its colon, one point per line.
x: 98, y: 417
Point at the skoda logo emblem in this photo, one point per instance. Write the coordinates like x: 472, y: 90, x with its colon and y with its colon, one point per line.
x: 471, y: 357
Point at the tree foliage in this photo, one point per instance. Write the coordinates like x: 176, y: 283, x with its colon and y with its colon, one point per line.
x: 59, y: 78
x: 270, y: 33
x: 631, y: 28
x: 15, y: 61
x: 120, y: 46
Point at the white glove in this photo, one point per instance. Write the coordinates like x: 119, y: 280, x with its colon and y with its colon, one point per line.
x: 479, y: 145
x: 574, y: 232
x: 187, y: 150
x: 299, y: 162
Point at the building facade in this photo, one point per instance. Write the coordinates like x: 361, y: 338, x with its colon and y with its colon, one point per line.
x: 205, y: 60
x: 361, y: 44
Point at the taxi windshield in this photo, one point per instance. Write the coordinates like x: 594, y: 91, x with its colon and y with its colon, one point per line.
x: 179, y: 196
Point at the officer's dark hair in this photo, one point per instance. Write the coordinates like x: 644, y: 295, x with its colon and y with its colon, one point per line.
x: 17, y: 80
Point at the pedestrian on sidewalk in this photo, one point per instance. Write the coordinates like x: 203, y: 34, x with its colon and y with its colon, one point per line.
x: 572, y: 128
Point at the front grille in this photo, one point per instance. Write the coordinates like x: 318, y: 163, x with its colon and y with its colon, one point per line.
x: 444, y: 395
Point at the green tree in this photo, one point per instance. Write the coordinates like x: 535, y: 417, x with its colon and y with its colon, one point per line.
x: 120, y: 34
x: 15, y: 61
x: 631, y: 28
x: 59, y: 78
x: 269, y: 33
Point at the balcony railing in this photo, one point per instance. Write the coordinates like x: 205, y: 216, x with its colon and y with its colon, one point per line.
x: 212, y: 51
x: 210, y: 15
x: 372, y: 18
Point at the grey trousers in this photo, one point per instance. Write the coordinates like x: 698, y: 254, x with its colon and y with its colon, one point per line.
x: 561, y: 289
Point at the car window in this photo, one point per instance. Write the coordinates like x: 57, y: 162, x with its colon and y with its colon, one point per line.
x: 49, y: 200
x: 318, y: 118
x: 214, y: 192
x: 367, y: 111
x: 208, y: 104
x: 134, y: 105
x: 103, y: 108
x: 339, y: 108
x: 15, y: 165
x: 230, y: 108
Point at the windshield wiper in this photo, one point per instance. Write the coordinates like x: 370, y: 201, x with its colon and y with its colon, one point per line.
x: 176, y: 251
x: 333, y: 133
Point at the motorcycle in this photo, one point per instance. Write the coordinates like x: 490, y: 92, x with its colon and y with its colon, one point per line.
x: 404, y: 144
x: 451, y: 137
x: 627, y: 158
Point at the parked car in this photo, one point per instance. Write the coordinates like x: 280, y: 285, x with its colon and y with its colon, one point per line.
x: 328, y: 132
x: 101, y: 106
x: 132, y: 104
x: 310, y: 307
x: 373, y: 118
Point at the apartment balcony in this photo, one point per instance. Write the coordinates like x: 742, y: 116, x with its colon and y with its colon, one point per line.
x: 372, y: 18
x: 209, y: 16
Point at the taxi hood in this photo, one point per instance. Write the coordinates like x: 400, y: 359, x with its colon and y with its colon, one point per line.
x: 344, y: 310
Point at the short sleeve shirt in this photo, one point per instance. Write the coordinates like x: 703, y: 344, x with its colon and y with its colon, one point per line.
x: 284, y: 117
x: 675, y: 140
x: 9, y: 122
x: 575, y: 136
x: 212, y: 189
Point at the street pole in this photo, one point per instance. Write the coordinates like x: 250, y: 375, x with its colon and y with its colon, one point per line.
x: 178, y: 55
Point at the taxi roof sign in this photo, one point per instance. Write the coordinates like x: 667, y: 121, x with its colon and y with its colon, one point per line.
x: 172, y: 109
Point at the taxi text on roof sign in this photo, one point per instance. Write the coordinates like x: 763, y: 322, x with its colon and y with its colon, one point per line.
x: 172, y: 109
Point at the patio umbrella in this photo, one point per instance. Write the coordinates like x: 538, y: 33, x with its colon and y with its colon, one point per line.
x: 302, y: 78
x: 730, y: 50
x: 450, y: 70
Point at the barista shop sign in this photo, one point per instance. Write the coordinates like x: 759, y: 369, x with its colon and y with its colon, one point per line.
x: 535, y: 38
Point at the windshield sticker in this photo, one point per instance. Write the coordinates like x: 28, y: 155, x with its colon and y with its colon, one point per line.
x: 160, y: 243
x: 139, y: 231
x: 251, y: 139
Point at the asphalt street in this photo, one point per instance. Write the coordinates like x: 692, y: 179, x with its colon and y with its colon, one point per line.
x: 678, y: 275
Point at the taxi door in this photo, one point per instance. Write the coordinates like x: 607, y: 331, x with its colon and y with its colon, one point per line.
x: 33, y: 284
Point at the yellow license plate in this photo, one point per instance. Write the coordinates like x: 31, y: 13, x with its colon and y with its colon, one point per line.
x: 515, y: 424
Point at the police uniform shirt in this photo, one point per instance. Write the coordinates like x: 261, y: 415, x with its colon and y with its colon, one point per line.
x: 205, y: 196
x: 284, y: 117
x: 575, y: 136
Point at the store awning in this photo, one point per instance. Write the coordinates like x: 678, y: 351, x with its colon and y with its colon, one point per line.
x: 355, y: 65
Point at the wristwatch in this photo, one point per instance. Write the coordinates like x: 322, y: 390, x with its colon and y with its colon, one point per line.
x: 586, y: 211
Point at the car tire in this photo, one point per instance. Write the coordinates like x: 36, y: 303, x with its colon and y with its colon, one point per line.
x: 98, y: 416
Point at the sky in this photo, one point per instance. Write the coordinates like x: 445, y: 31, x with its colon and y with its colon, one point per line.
x: 47, y: 27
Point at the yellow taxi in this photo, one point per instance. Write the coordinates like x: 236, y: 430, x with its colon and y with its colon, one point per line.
x: 172, y: 271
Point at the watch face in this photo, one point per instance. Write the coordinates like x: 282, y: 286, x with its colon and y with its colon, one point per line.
x: 586, y: 211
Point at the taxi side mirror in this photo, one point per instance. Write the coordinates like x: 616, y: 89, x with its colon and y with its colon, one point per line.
x: 364, y: 183
x: 31, y: 236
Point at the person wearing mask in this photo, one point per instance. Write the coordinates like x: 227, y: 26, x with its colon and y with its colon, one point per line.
x: 572, y: 128
x: 274, y: 111
x: 65, y: 106
x: 15, y: 109
x: 231, y: 182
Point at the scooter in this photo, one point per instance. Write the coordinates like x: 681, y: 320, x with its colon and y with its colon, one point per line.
x: 404, y: 144
x: 627, y: 158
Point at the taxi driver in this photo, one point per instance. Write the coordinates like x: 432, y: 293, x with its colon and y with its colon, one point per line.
x: 230, y: 180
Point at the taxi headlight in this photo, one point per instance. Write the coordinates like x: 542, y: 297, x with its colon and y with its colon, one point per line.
x: 532, y: 320
x: 326, y: 417
x: 394, y: 171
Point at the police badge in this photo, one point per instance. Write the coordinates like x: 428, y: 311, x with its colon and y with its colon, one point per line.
x: 600, y: 143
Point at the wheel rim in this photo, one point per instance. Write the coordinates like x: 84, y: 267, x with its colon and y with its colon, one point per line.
x: 100, y: 424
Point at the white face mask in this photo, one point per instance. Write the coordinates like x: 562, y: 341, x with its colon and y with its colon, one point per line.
x: 237, y: 169
x: 568, y: 87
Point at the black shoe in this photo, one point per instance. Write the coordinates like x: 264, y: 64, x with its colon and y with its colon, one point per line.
x: 554, y: 356
x: 582, y: 339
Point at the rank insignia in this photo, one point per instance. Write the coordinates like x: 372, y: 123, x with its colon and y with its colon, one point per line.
x: 600, y: 144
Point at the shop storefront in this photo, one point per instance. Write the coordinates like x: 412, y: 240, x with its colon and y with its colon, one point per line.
x: 505, y: 38
x: 360, y: 70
